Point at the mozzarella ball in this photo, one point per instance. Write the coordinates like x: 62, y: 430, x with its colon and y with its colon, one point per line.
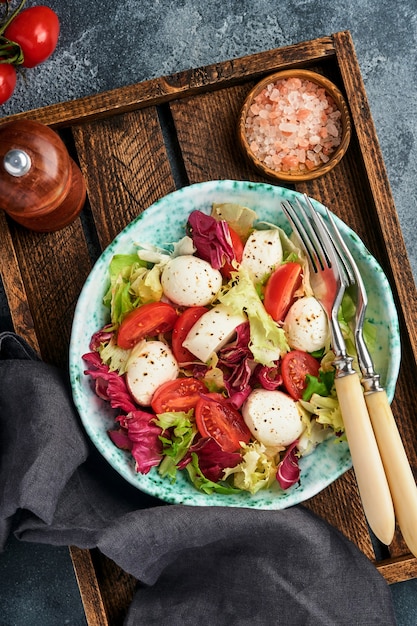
x: 262, y: 252
x: 306, y: 325
x: 272, y: 417
x: 212, y: 331
x: 150, y: 365
x: 189, y: 281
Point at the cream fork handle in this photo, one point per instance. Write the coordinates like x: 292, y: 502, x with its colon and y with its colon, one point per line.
x: 369, y: 470
x: 397, y: 468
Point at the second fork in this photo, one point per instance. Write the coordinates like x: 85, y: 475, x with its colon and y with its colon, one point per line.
x: 398, y: 470
x: 328, y: 285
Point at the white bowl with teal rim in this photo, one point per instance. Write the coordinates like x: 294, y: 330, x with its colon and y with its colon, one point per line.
x: 163, y: 223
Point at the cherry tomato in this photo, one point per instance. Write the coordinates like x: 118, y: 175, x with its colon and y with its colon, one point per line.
x: 36, y: 30
x: 181, y: 394
x: 280, y: 290
x: 295, y: 366
x: 7, y: 81
x: 220, y: 420
x: 148, y: 320
x: 182, y: 327
x: 238, y: 250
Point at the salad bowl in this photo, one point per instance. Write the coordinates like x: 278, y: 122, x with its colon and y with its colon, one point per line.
x: 164, y: 223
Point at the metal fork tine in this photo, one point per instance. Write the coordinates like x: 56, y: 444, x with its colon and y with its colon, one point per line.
x: 323, y: 236
x: 343, y: 254
x: 315, y: 241
x: 344, y: 264
x: 314, y: 237
x: 304, y: 237
x: 371, y: 378
x: 344, y: 267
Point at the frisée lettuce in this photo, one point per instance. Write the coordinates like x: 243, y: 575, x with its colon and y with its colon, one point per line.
x: 267, y: 339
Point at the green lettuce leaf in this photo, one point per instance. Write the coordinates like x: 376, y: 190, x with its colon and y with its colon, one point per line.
x: 314, y: 434
x: 132, y: 283
x: 146, y: 284
x: 118, y: 297
x: 204, y: 484
x: 114, y: 356
x: 347, y: 320
x: 267, y: 339
x: 179, y: 432
x: 240, y: 218
x: 326, y: 410
x: 121, y: 263
x: 256, y: 471
x: 321, y: 385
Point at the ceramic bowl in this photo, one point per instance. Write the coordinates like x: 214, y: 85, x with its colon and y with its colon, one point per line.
x: 297, y: 174
x: 165, y: 222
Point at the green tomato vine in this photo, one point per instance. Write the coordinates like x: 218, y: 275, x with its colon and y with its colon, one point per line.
x: 10, y: 51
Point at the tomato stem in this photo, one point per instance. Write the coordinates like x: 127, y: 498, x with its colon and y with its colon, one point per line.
x: 10, y: 51
x: 11, y: 17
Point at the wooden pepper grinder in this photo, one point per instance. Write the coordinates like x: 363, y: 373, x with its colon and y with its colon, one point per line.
x: 41, y: 187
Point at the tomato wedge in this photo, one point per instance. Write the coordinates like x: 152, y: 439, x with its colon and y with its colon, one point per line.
x: 182, y: 327
x: 237, y: 244
x: 218, y: 419
x: 280, y: 289
x: 148, y: 320
x: 181, y: 394
x: 295, y: 366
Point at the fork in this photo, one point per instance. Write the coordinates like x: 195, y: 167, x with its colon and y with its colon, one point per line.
x: 397, y: 468
x: 329, y: 284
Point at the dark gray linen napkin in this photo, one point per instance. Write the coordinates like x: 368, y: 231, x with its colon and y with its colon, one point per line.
x: 194, y: 565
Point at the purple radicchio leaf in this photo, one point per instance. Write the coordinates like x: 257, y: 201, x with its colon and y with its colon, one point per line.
x: 103, y: 335
x: 108, y: 385
x: 211, y: 239
x: 235, y: 359
x: 288, y: 471
x: 269, y: 377
x: 143, y: 434
x: 212, y: 460
x: 120, y: 438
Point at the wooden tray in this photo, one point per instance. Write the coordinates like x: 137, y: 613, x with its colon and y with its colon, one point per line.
x: 138, y: 143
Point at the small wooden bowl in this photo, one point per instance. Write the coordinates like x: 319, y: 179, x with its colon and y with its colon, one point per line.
x: 304, y: 174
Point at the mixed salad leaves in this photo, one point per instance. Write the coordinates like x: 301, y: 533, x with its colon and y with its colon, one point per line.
x: 216, y: 357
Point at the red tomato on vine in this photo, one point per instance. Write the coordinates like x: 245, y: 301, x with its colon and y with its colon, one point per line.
x: 36, y: 30
x: 7, y: 81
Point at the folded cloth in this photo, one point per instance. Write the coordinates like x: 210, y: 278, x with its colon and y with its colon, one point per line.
x: 205, y: 565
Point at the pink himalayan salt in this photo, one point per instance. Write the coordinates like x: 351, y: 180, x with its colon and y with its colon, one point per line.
x: 293, y: 125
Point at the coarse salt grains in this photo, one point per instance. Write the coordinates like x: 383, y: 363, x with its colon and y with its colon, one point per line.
x: 293, y: 125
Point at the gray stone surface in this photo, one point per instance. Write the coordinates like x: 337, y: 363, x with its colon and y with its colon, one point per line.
x: 109, y: 44
x: 106, y: 44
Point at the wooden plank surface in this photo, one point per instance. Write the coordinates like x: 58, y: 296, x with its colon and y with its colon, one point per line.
x: 14, y: 286
x: 137, y: 144
x: 206, y: 128
x: 185, y: 83
x: 126, y: 168
x: 91, y: 594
